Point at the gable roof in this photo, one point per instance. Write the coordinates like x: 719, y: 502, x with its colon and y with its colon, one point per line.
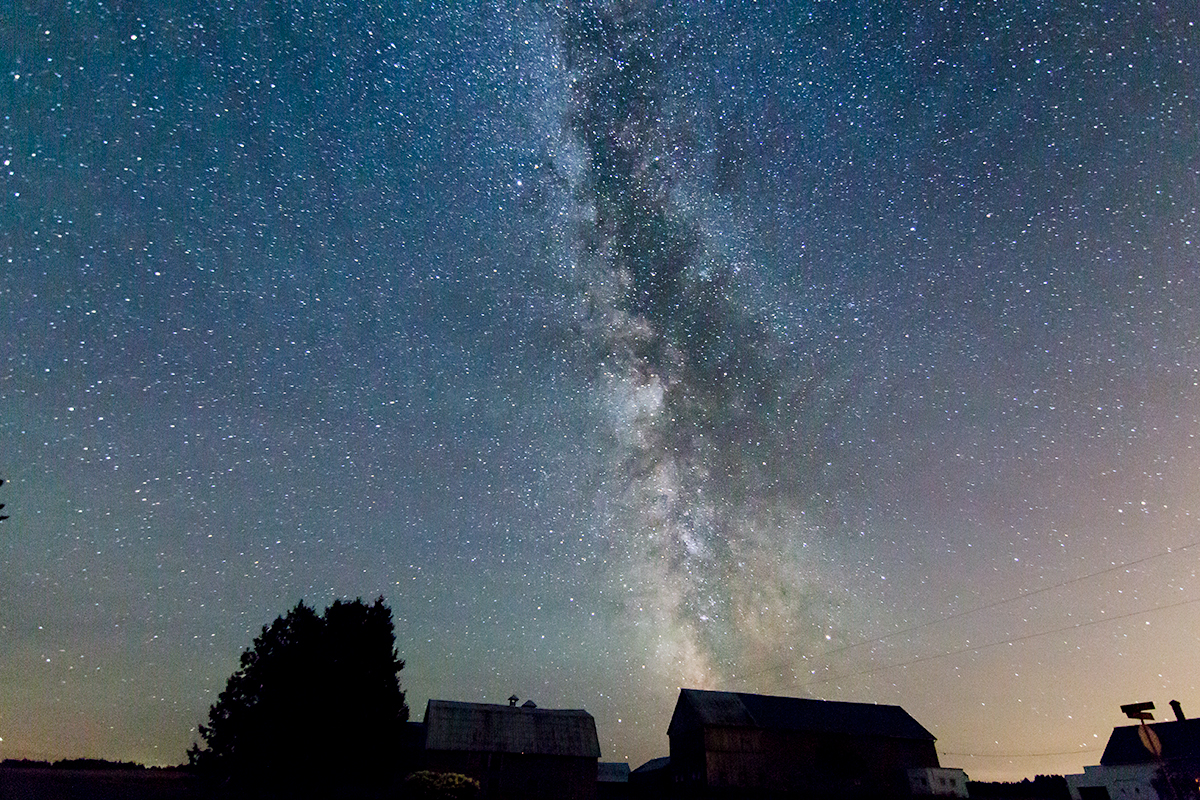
x: 698, y: 707
x: 1180, y: 739
x: 489, y: 728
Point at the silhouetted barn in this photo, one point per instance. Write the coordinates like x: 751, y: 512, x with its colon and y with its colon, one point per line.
x: 514, y: 752
x: 739, y: 744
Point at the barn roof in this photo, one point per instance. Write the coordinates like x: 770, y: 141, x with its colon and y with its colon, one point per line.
x: 485, y: 727
x: 698, y: 707
x: 1180, y: 739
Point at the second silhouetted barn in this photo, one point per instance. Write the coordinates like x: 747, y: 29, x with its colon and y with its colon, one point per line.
x: 514, y: 752
x: 734, y: 743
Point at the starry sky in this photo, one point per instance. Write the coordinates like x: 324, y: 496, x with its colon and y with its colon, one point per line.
x: 836, y: 349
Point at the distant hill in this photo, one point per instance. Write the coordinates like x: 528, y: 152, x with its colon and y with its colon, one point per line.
x: 70, y: 763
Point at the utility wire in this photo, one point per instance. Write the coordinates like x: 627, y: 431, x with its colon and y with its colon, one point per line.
x: 977, y: 648
x: 1012, y: 599
x: 1021, y: 755
x: 987, y: 606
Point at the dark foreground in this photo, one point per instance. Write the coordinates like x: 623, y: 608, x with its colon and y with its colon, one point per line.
x: 25, y: 783
x: 57, y: 783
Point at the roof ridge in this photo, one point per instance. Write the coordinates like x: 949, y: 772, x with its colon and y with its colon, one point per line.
x: 472, y: 703
x: 746, y: 708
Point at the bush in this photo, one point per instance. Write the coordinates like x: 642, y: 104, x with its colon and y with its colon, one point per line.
x: 428, y: 785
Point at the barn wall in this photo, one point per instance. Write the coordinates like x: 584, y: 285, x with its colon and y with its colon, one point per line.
x: 688, y: 763
x: 814, y: 764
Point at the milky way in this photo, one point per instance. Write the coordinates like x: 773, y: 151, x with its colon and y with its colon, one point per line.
x: 713, y: 417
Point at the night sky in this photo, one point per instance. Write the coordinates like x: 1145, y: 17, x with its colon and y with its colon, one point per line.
x: 837, y: 349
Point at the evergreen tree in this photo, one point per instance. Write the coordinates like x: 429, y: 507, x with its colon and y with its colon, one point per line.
x: 315, y: 699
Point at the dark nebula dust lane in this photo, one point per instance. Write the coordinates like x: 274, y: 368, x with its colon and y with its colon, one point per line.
x: 621, y: 346
x: 713, y: 417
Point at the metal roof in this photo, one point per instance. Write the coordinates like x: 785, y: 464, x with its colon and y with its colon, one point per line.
x: 489, y: 728
x: 1180, y: 740
x: 744, y: 710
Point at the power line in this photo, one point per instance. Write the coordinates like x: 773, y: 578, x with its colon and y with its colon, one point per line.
x: 987, y: 606
x: 1013, y: 599
x: 1021, y: 755
x: 977, y: 648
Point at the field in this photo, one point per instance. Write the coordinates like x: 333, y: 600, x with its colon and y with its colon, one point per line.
x: 57, y: 783
x: 26, y: 783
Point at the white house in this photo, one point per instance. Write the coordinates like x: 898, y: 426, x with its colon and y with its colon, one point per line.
x: 937, y: 782
x: 1159, y: 761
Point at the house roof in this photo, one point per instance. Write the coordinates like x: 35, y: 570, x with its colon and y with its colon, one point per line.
x: 744, y: 710
x: 653, y: 765
x: 1180, y: 739
x: 612, y: 772
x: 485, y: 727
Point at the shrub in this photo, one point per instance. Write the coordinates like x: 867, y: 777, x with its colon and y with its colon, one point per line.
x: 428, y: 785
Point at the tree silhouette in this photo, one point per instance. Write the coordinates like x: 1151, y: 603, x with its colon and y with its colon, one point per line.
x: 316, y: 699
